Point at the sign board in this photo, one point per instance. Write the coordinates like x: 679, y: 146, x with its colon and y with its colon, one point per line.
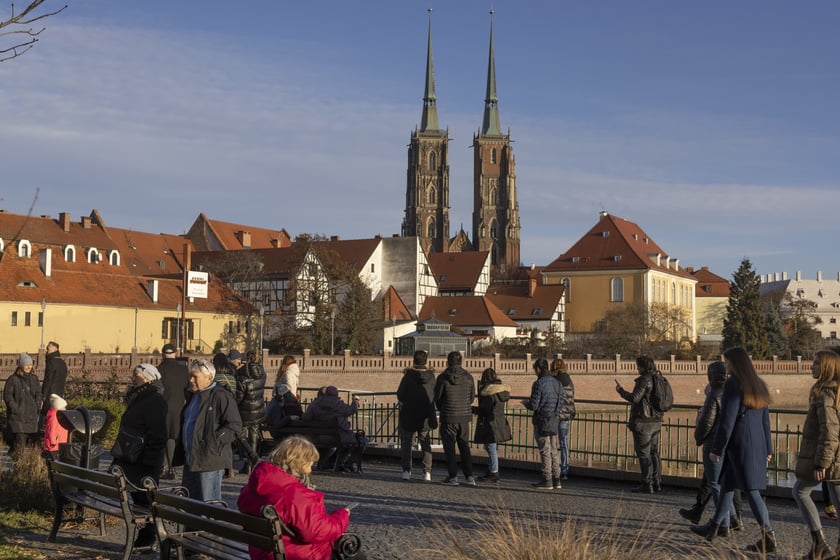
x: 197, y: 284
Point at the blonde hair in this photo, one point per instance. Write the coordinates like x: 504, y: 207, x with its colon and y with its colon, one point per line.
x: 558, y: 365
x: 293, y: 454
x: 829, y: 371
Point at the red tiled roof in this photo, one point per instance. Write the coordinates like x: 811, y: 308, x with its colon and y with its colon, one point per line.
x: 457, y: 271
x: 709, y: 284
x: 278, y: 262
x: 515, y: 302
x: 614, y: 243
x: 464, y: 311
x: 46, y: 231
x: 393, y: 307
x: 354, y: 252
x: 231, y: 236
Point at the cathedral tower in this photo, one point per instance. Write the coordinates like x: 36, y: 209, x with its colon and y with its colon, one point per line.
x: 427, y: 185
x: 495, y: 208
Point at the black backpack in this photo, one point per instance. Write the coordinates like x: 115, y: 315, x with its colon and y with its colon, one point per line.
x: 661, y: 396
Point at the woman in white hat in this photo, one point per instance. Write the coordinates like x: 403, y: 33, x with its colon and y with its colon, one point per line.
x: 54, y: 433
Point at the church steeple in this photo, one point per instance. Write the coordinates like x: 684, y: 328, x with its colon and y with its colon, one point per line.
x: 429, y: 121
x: 490, y: 126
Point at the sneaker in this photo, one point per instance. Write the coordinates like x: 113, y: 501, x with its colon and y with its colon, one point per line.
x: 557, y: 484
x: 406, y: 475
x: 564, y: 476
x: 427, y: 476
x: 489, y: 477
x: 450, y: 481
x: 543, y: 485
x: 471, y: 480
x: 830, y: 512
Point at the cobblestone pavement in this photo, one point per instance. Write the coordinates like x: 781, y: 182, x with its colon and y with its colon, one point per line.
x: 396, y: 518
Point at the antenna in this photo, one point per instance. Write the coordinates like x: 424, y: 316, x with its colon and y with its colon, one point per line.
x: 28, y: 214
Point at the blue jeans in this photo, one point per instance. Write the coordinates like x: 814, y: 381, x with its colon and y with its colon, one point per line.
x: 563, y: 435
x: 492, y: 457
x: 204, y: 486
x: 802, y: 496
x: 757, y: 505
x: 711, y: 472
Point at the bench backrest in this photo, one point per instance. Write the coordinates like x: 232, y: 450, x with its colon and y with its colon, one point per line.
x: 108, y: 484
x: 261, y: 531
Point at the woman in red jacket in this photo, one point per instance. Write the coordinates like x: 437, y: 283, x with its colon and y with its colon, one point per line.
x: 278, y: 482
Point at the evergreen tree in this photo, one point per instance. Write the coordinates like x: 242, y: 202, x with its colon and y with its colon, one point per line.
x: 776, y: 337
x: 744, y: 321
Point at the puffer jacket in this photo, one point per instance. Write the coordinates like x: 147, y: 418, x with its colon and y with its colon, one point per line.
x: 327, y: 408
x: 300, y: 508
x: 820, y: 445
x: 416, y: 396
x: 640, y: 408
x: 250, y: 392
x: 491, y: 425
x: 707, y: 419
x: 567, y: 411
x: 454, y: 394
x: 22, y: 395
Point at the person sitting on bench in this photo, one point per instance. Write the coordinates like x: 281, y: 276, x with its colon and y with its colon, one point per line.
x: 328, y: 407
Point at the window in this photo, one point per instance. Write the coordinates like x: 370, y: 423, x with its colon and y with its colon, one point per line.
x: 568, y: 291
x: 24, y: 248
x: 536, y: 311
x: 372, y: 268
x: 14, y: 318
x: 432, y: 160
x: 493, y: 156
x: 27, y: 319
x: 833, y: 320
x: 431, y: 228
x: 492, y: 197
x: 69, y: 254
x: 833, y: 335
x: 40, y: 318
x: 494, y: 230
x: 673, y: 293
x: 616, y: 289
x: 114, y: 258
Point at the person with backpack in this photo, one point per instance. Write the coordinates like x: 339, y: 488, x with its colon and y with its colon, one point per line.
x: 645, y: 423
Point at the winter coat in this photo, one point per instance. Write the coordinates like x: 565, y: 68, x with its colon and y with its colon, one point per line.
x: 454, y: 394
x: 567, y: 411
x: 491, y: 425
x: 22, y: 395
x: 820, y: 444
x: 291, y: 378
x: 709, y: 414
x: 744, y: 434
x: 640, y: 408
x: 546, y: 401
x: 416, y: 394
x: 175, y: 378
x: 250, y: 392
x: 54, y: 432
x: 280, y: 411
x: 55, y: 378
x: 145, y: 415
x: 327, y: 408
x: 300, y: 508
x: 216, y: 427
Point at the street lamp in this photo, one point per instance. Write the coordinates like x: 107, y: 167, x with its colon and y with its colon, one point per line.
x: 43, y: 310
x: 262, y: 317
x: 178, y: 333
x: 332, y: 331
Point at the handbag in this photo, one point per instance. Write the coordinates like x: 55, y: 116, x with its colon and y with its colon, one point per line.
x: 128, y: 447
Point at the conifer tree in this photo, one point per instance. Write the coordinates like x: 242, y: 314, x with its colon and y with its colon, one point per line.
x: 744, y: 321
x: 776, y: 336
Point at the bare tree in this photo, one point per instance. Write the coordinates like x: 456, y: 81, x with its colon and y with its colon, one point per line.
x: 16, y: 32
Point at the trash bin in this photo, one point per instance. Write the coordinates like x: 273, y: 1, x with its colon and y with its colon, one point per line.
x: 71, y: 453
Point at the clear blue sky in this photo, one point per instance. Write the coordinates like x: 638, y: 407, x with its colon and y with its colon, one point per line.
x: 714, y: 126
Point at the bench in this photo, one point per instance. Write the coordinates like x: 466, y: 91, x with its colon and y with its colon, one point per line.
x: 325, y: 435
x: 108, y: 493
x: 183, y: 523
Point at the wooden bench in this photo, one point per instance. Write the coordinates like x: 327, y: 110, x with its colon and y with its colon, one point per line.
x: 325, y: 436
x: 183, y: 523
x: 107, y: 493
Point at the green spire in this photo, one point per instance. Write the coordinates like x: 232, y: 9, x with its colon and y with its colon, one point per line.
x: 490, y: 126
x: 429, y: 121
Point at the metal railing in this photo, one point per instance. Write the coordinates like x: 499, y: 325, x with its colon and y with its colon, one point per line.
x: 598, y: 436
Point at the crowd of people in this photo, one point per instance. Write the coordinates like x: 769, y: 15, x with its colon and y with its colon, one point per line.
x: 196, y: 415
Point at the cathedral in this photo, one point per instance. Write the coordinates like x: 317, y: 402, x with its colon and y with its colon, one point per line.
x: 495, y: 222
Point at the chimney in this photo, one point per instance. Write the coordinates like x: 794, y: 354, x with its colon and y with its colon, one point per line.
x: 784, y: 275
x: 86, y: 222
x: 775, y: 277
x: 798, y: 275
x: 690, y: 269
x: 46, y: 262
x: 152, y: 289
x: 64, y: 221
x: 819, y: 276
x: 532, y: 286
x: 334, y: 238
x: 676, y: 264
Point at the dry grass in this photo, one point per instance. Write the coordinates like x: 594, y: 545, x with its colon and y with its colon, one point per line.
x: 26, y: 486
x: 512, y: 535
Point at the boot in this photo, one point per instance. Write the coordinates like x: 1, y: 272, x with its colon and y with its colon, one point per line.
x: 693, y: 513
x: 709, y: 530
x: 735, y: 522
x: 819, y: 548
x: 767, y: 543
x: 643, y: 488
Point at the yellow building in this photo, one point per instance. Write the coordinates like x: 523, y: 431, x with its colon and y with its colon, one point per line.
x: 107, y: 290
x: 615, y: 265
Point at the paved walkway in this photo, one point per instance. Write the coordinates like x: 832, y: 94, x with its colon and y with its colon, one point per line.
x: 395, y: 518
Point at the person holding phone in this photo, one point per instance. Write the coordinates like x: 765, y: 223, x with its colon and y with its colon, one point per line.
x: 282, y: 481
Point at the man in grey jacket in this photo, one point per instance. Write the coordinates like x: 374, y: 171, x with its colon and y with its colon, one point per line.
x: 454, y: 394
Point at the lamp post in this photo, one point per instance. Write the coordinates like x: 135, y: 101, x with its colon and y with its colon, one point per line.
x: 43, y: 313
x: 262, y: 318
x: 178, y: 330
x: 332, y: 331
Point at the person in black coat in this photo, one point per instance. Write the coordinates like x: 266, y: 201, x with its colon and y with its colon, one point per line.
x: 454, y: 394
x: 417, y: 413
x: 55, y: 378
x: 22, y: 395
x: 491, y: 427
x: 174, y: 378
x: 144, y: 416
x: 283, y: 409
x: 250, y: 397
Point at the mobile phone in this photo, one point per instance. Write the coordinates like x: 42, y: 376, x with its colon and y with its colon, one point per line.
x: 350, y: 506
x: 616, y: 381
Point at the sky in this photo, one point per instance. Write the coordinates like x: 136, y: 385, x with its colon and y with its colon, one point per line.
x: 712, y: 125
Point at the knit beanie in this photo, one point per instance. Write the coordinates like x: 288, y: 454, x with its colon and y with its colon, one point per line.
x: 57, y: 402
x: 148, y: 371
x: 24, y: 360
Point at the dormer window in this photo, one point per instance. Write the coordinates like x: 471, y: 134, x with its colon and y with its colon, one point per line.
x: 93, y: 255
x: 69, y: 253
x: 453, y: 311
x: 512, y: 311
x: 24, y: 249
x: 2, y: 245
x: 114, y: 258
x: 536, y: 311
x: 575, y: 259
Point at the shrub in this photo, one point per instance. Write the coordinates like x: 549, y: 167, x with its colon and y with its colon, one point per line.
x: 26, y: 486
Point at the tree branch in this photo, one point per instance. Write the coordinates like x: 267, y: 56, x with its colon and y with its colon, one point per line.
x: 25, y: 17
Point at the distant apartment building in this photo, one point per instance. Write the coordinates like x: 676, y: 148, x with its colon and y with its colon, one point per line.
x: 823, y: 291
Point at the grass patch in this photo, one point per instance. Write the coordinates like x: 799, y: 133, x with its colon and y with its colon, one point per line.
x: 12, y: 525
